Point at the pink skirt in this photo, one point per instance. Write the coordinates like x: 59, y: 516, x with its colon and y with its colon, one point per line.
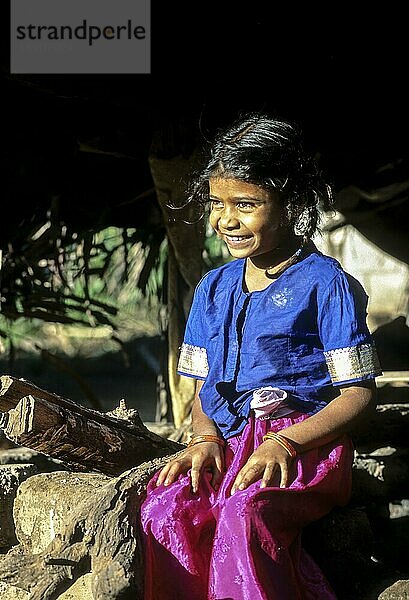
x: 213, y: 546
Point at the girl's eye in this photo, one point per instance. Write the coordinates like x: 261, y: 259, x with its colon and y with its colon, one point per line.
x: 245, y: 205
x: 216, y: 204
x: 241, y: 205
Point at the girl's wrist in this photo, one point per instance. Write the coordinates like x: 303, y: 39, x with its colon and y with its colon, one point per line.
x: 282, y: 441
x: 205, y: 431
x: 206, y: 437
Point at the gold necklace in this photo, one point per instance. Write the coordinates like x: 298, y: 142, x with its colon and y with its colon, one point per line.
x: 274, y: 272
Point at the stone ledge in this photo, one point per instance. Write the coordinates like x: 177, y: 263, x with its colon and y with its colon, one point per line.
x: 44, y: 503
x: 80, y: 590
x: 11, y: 476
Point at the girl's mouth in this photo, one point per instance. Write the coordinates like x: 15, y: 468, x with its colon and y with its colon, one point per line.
x: 237, y: 241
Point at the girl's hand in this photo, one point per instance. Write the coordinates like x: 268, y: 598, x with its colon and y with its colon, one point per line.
x: 206, y: 455
x: 267, y: 462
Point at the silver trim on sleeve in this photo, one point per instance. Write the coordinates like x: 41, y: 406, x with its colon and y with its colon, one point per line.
x: 350, y: 363
x: 193, y: 360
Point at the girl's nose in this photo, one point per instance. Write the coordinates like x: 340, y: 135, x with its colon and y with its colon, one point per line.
x: 228, y: 218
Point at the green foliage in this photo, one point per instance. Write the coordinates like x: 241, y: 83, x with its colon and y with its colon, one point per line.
x: 54, y: 280
x: 88, y: 291
x: 215, y: 252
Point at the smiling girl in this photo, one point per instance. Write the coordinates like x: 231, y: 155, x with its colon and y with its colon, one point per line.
x: 284, y: 364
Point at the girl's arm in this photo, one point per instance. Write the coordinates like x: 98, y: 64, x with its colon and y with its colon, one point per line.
x: 201, y: 423
x: 343, y: 414
x: 206, y: 455
x: 354, y: 404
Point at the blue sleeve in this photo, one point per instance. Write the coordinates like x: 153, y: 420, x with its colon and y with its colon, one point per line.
x: 348, y: 346
x: 193, y: 354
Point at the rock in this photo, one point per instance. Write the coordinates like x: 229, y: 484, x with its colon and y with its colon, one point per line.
x: 11, y: 592
x: 342, y: 542
x: 80, y: 590
x: 397, y: 591
x: 45, y: 502
x: 11, y: 476
x: 399, y: 509
x: 381, y: 474
x: 21, y: 454
x: 71, y: 524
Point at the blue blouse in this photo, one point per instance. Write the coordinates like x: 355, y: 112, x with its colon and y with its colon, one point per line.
x: 305, y: 333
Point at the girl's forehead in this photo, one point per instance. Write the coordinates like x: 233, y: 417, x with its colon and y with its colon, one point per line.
x: 224, y: 187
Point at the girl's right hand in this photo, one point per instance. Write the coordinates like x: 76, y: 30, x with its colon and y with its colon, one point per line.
x: 199, y: 457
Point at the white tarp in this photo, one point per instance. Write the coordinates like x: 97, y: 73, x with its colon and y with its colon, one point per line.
x: 384, y: 277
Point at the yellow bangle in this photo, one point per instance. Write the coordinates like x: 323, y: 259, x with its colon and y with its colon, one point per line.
x: 197, y: 439
x: 284, y: 443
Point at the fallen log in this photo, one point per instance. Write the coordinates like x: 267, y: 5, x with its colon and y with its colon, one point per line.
x: 12, y: 390
x: 84, y: 438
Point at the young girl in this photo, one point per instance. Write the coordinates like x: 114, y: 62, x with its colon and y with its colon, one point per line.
x: 285, y: 366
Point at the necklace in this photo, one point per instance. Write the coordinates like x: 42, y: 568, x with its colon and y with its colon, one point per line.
x: 274, y: 272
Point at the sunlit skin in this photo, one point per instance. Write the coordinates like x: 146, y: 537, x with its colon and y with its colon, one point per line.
x: 251, y: 221
x: 247, y: 218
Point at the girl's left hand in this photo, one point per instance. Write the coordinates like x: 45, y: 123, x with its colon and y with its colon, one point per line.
x: 268, y: 461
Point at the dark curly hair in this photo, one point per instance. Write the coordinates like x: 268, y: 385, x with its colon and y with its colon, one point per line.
x: 269, y: 152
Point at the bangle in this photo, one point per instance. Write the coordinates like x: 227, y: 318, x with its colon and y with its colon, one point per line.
x: 197, y: 439
x: 280, y: 439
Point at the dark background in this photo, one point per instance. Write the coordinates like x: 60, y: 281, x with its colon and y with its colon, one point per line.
x: 339, y: 70
x: 341, y: 73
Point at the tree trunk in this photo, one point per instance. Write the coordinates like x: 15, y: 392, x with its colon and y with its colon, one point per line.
x: 84, y: 438
x: 171, y: 166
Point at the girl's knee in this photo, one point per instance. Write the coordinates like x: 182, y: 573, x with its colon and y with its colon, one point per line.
x: 240, y: 506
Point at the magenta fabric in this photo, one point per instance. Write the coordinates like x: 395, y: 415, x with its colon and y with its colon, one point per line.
x: 213, y: 546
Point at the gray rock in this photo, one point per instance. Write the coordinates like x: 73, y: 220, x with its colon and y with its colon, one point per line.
x: 11, y: 476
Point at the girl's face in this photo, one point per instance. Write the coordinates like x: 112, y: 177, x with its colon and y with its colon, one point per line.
x: 247, y: 217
